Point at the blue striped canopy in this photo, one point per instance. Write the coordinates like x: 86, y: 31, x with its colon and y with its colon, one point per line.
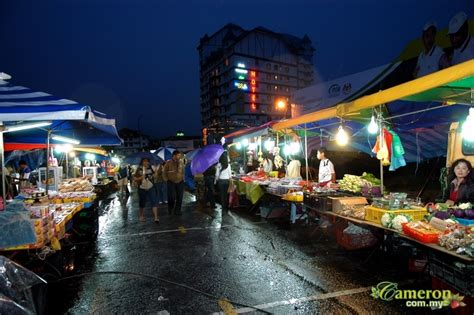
x: 69, y: 118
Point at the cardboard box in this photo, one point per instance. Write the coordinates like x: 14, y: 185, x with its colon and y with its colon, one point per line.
x: 339, y: 202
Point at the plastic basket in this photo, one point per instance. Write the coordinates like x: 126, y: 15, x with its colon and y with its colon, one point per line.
x: 374, y: 214
x: 353, y: 242
x: 456, y: 273
x: 465, y: 222
x: 419, y: 236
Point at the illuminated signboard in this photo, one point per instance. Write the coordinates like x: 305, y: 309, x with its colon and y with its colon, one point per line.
x: 253, y: 88
x: 243, y: 71
x: 241, y: 85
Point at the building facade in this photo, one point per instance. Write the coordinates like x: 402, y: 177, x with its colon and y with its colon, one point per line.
x: 133, y: 141
x: 244, y: 74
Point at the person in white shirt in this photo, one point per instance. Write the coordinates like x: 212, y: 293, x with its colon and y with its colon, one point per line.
x: 327, y: 174
x: 293, y: 170
x: 223, y: 175
x: 461, y: 40
x: 267, y: 164
x: 429, y: 59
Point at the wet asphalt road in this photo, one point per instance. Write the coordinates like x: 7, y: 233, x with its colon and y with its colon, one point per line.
x: 234, y: 255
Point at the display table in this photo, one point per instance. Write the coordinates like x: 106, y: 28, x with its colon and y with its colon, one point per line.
x: 252, y: 191
x: 104, y: 189
x: 363, y: 222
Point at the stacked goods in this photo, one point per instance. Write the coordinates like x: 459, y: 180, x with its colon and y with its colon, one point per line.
x: 393, y: 221
x: 352, y: 210
x: 351, y: 183
x: 421, y: 231
x: 459, y: 238
x: 75, y: 184
x: 462, y: 213
x: 366, y: 183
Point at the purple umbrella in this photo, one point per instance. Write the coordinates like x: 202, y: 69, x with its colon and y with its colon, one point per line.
x: 206, y: 157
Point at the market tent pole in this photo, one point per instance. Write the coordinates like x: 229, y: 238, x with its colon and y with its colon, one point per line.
x: 47, y: 160
x: 306, y: 151
x: 67, y: 166
x: 2, y: 160
x: 381, y: 160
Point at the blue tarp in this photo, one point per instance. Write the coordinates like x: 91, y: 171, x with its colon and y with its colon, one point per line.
x: 424, y: 135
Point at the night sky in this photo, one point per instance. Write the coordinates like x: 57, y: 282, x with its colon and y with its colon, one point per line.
x: 137, y: 59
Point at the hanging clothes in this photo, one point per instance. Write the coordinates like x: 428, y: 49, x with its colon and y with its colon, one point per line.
x: 384, y: 152
x: 398, y: 160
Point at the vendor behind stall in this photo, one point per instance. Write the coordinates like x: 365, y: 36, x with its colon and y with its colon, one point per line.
x: 460, y: 183
x: 24, y: 174
x: 327, y: 174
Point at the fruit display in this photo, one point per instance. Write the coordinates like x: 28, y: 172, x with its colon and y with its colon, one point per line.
x: 75, y: 184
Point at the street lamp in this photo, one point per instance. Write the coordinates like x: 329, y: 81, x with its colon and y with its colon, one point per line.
x: 281, y: 104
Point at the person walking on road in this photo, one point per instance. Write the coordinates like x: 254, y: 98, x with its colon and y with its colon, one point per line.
x: 160, y: 185
x: 223, y: 175
x: 173, y: 173
x: 122, y: 178
x: 209, y: 181
x: 144, y: 177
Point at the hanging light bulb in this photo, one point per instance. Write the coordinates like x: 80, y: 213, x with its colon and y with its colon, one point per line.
x: 287, y: 149
x: 341, y: 137
x: 269, y: 145
x: 238, y: 145
x: 373, y: 128
x: 467, y: 130
x: 295, y: 147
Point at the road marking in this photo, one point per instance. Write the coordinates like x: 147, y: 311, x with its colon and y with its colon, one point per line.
x: 182, y: 230
x: 321, y: 296
x: 226, y: 307
x: 178, y: 230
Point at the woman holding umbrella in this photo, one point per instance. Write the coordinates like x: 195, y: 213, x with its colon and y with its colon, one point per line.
x: 223, y: 175
x: 144, y: 177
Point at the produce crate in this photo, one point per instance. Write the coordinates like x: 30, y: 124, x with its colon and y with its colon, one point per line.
x: 338, y: 203
x: 454, y: 272
x: 419, y: 236
x: 352, y: 242
x: 374, y: 214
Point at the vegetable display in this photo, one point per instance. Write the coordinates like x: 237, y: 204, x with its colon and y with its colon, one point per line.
x: 391, y: 221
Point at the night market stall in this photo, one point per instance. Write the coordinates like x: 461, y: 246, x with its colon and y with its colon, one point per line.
x: 424, y: 115
x: 38, y: 218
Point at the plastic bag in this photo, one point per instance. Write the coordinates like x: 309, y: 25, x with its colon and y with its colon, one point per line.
x: 16, y: 227
x: 21, y: 291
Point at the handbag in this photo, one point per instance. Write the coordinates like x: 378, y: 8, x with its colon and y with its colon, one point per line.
x: 146, y: 183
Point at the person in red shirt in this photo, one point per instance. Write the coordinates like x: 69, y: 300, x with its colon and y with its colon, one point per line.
x: 461, y: 184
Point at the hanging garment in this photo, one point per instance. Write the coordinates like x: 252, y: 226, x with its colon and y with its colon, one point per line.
x: 398, y: 160
x: 384, y: 152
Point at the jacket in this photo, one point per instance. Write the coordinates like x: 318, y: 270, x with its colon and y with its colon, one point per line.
x: 159, y: 178
x: 465, y: 192
x: 174, y: 171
